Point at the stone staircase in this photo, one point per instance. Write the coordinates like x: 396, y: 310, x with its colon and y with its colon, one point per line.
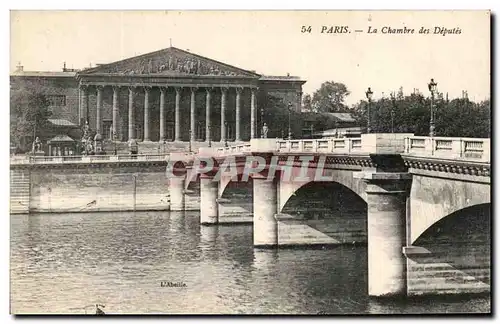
x: 19, y: 191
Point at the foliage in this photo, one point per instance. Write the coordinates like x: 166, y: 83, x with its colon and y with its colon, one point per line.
x: 28, y: 115
x: 411, y: 114
x: 330, y: 97
x: 276, y: 116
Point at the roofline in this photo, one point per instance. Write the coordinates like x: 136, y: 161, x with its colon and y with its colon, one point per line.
x: 85, y: 72
x: 43, y: 74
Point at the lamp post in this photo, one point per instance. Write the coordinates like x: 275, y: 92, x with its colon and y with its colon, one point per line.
x: 261, y: 122
x: 189, y: 148
x: 114, y: 141
x: 209, y: 137
x: 432, y: 88
x: 393, y: 99
x: 289, y: 120
x: 227, y: 131
x: 369, y: 95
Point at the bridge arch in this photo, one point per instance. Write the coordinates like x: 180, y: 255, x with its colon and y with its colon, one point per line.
x: 454, y: 254
x: 432, y: 199
x: 472, y: 220
x: 323, y: 213
x: 345, y: 178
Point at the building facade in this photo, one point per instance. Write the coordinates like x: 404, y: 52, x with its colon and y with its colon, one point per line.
x: 170, y: 94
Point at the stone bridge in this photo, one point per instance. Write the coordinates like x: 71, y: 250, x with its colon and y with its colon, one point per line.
x: 421, y: 204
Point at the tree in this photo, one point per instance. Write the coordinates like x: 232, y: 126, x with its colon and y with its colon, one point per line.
x: 28, y: 115
x: 330, y: 97
x: 411, y: 114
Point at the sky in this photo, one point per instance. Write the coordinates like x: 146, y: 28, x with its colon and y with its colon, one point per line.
x: 271, y: 43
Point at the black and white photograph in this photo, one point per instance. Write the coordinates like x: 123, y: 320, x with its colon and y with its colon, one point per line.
x: 250, y: 162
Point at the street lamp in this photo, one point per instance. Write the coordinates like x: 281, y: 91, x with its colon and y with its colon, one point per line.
x: 261, y: 122
x: 393, y: 99
x: 289, y: 120
x: 209, y: 136
x: 225, y: 137
x: 369, y: 95
x: 114, y: 141
x: 189, y: 148
x: 432, y: 88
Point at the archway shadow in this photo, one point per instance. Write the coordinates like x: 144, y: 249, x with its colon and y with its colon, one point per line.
x: 324, y: 213
x: 457, y: 252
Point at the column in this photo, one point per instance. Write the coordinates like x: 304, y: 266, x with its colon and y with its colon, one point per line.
x: 265, y: 225
x: 177, y: 113
x: 85, y: 104
x: 223, y: 114
x: 209, y: 209
x: 252, y: 114
x: 192, y: 115
x: 131, y: 117
x: 116, y: 94
x: 176, y: 190
x: 386, y: 199
x: 98, y: 125
x: 238, y: 108
x: 147, y: 90
x: 163, y: 92
x: 208, y: 124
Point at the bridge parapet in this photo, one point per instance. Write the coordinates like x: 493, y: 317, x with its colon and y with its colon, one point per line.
x: 452, y: 148
x: 28, y: 160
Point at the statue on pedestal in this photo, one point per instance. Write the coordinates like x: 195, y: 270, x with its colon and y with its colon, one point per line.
x: 98, y: 144
x: 37, y: 146
x: 133, y: 147
x: 265, y: 130
x: 86, y: 141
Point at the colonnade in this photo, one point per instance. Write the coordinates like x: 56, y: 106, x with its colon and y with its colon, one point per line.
x: 133, y: 91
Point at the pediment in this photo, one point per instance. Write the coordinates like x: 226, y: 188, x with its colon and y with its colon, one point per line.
x: 169, y: 62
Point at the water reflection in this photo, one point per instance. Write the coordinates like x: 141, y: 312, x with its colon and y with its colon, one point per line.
x: 63, y: 261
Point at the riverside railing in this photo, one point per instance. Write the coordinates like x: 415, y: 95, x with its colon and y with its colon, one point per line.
x: 327, y: 145
x: 86, y: 159
x: 235, y: 149
x: 453, y: 148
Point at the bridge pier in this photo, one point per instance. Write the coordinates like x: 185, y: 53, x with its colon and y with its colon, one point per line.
x: 265, y: 205
x: 209, y: 209
x: 386, y: 195
x: 177, y: 198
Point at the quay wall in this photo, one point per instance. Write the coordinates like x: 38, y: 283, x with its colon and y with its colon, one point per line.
x: 98, y: 187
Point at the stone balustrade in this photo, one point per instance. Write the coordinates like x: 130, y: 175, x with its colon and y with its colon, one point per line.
x: 453, y: 148
x: 86, y: 159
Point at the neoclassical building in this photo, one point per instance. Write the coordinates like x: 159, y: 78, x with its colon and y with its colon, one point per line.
x: 170, y: 94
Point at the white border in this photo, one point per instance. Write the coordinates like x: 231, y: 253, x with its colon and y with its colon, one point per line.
x: 189, y: 5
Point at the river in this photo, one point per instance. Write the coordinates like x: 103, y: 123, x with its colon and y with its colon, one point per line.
x: 166, y: 263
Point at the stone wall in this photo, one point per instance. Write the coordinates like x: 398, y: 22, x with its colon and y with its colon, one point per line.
x: 99, y: 188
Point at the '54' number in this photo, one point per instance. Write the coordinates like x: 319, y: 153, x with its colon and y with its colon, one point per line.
x: 305, y: 29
